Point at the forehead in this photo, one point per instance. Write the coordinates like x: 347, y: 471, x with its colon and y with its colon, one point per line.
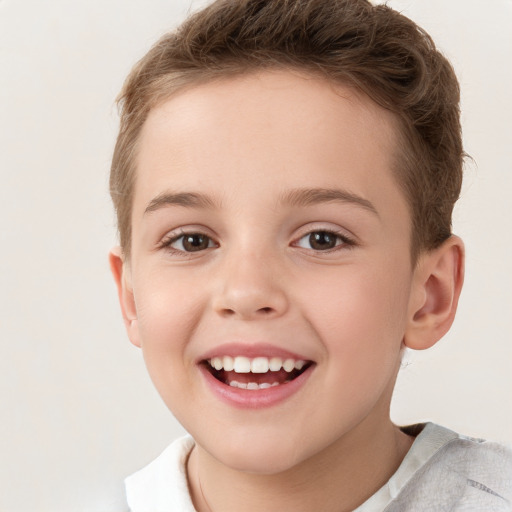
x: 262, y: 132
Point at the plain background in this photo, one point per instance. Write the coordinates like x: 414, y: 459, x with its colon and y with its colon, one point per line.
x: 78, y: 412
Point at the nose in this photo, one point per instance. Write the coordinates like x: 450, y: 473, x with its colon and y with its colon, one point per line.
x: 250, y: 289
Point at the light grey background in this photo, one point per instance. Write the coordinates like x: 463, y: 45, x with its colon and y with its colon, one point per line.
x: 78, y: 412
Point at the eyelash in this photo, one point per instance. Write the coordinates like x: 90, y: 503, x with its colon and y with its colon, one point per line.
x: 342, y: 241
x: 167, y: 242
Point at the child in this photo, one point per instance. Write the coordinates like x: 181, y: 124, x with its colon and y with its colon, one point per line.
x: 284, y: 179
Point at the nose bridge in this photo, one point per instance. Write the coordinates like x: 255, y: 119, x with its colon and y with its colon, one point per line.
x: 250, y: 286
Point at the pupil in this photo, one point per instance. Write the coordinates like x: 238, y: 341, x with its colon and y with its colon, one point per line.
x: 322, y: 240
x: 195, y: 242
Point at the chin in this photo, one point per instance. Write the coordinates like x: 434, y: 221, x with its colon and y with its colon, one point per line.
x: 259, y: 454
x: 260, y: 462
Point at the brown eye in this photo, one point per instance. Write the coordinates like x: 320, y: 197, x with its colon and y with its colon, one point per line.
x: 195, y: 242
x: 192, y: 242
x: 322, y: 240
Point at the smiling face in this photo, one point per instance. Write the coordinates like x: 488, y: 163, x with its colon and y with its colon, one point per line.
x: 268, y: 230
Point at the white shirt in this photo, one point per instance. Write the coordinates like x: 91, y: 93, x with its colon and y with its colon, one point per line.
x: 443, y: 471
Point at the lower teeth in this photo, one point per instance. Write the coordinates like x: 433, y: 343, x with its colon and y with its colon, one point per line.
x: 252, y: 385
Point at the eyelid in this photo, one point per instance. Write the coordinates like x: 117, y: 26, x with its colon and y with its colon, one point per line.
x: 348, y: 240
x: 313, y: 227
x: 172, y: 236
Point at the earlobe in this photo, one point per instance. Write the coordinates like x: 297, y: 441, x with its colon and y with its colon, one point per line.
x: 121, y: 273
x: 436, y: 289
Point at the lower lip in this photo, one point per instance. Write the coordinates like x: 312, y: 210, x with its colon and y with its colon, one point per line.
x: 255, y: 398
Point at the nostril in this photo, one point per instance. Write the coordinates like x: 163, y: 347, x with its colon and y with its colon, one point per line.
x: 266, y: 310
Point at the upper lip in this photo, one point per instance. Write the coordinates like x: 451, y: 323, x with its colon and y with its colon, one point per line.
x: 250, y: 350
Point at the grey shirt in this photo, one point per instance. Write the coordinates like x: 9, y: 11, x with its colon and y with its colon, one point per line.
x: 443, y: 471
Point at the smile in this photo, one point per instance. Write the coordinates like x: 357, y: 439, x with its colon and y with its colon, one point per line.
x: 255, y: 373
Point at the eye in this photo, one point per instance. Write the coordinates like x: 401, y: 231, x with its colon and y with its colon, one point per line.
x: 189, y: 242
x: 322, y: 240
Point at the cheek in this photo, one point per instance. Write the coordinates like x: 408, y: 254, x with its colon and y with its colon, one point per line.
x: 167, y: 316
x: 167, y: 312
x: 359, y: 316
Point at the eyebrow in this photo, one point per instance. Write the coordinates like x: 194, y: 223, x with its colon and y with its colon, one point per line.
x: 296, y: 197
x: 312, y: 196
x: 186, y: 199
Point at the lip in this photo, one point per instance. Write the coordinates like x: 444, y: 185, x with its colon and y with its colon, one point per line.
x: 250, y: 350
x: 257, y: 398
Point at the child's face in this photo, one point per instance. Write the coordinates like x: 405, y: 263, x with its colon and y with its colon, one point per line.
x: 267, y: 222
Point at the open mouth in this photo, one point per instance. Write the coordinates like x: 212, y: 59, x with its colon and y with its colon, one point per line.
x: 255, y: 373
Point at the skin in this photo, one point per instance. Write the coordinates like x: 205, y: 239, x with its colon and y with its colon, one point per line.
x: 247, y: 143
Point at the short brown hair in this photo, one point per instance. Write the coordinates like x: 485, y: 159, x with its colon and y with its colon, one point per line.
x: 374, y: 48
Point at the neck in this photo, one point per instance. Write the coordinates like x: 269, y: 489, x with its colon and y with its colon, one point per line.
x: 339, y: 478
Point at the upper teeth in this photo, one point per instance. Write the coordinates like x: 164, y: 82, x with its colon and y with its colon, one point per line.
x: 241, y: 364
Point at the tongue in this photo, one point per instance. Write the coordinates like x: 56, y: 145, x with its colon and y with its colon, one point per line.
x: 270, y: 377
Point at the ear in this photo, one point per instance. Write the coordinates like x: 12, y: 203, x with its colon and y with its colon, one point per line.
x: 122, y: 276
x: 437, y: 283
